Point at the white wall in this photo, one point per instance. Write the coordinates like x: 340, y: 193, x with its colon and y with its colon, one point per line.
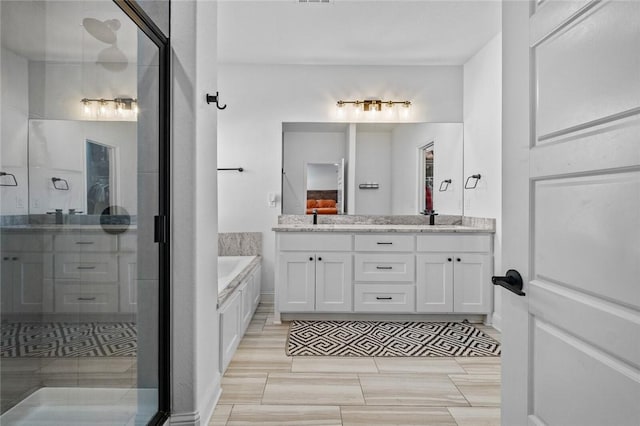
x: 483, y: 141
x: 55, y: 93
x: 448, y: 147
x: 302, y: 147
x: 373, y: 165
x: 261, y: 97
x: 194, y: 226
x: 14, y: 111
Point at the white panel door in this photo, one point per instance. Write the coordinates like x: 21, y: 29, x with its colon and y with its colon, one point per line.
x: 434, y: 282
x: 571, y: 117
x: 333, y: 282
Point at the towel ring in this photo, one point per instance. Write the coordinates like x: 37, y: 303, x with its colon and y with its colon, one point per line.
x: 475, y: 183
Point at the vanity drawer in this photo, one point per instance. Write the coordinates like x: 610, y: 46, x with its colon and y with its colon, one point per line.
x: 315, y: 241
x: 384, y: 298
x: 384, y: 242
x: 384, y: 267
x: 84, y: 243
x: 449, y: 243
x: 92, y: 267
x: 80, y: 298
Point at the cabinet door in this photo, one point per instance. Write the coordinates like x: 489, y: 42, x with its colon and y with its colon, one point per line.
x: 31, y: 291
x: 246, y: 289
x: 257, y: 286
x: 472, y: 283
x: 297, y: 276
x: 230, y: 325
x: 128, y: 282
x: 434, y: 283
x: 333, y: 282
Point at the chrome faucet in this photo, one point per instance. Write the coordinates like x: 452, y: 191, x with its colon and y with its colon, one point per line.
x: 59, y: 217
x: 315, y: 216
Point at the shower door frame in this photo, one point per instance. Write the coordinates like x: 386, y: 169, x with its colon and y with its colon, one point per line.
x: 135, y: 12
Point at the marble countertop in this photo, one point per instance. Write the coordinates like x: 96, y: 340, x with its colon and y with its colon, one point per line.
x: 66, y: 228
x: 364, y: 228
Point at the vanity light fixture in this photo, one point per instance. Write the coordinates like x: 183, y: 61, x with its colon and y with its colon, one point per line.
x: 373, y: 106
x: 116, y: 107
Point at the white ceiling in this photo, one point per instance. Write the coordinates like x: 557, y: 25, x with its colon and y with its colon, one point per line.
x: 355, y: 32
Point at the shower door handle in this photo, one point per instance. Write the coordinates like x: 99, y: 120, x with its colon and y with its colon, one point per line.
x: 160, y: 229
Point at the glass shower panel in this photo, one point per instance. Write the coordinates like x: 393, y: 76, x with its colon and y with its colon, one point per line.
x: 79, y: 189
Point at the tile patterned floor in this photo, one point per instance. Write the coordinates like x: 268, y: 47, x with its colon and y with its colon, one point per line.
x: 263, y: 386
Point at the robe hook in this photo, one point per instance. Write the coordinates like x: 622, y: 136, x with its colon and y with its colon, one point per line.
x: 215, y: 98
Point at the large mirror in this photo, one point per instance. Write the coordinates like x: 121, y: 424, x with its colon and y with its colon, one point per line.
x: 372, y: 168
x: 82, y: 166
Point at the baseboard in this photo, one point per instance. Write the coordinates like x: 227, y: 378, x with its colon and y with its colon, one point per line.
x: 472, y: 318
x: 267, y: 298
x: 212, y: 401
x: 497, y: 321
x: 185, y: 419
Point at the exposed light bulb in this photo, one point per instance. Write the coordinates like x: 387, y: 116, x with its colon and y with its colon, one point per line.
x: 103, y: 107
x: 86, y: 107
x: 405, y: 110
x: 358, y: 108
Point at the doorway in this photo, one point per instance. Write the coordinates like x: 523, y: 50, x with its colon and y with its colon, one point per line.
x: 425, y: 179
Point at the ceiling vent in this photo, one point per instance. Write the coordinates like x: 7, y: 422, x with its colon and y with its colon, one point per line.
x: 315, y: 1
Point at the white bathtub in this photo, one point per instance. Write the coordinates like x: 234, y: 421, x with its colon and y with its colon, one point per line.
x: 230, y: 267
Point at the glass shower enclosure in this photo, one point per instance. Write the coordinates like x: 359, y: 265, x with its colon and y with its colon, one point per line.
x: 83, y: 198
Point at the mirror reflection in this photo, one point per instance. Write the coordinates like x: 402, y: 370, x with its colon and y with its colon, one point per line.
x: 97, y: 160
x: 372, y: 168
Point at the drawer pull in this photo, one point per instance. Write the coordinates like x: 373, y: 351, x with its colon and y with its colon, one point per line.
x: 384, y: 244
x: 458, y: 259
x: 14, y: 258
x: 86, y: 267
x: 86, y: 299
x: 449, y: 259
x: 384, y: 267
x: 84, y: 242
x: 384, y: 298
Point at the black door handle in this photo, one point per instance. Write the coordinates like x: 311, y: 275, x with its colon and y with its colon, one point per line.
x: 512, y: 281
x: 311, y: 258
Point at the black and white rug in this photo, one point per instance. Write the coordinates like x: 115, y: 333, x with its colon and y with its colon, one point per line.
x: 62, y: 339
x: 374, y: 338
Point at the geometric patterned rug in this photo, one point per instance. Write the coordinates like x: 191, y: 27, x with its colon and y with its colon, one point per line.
x: 69, y: 339
x: 388, y: 339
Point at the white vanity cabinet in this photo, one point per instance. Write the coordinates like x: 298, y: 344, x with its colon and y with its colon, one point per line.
x: 26, y: 282
x: 315, y: 281
x: 453, y: 273
x: 27, y: 273
x: 384, y: 272
x: 64, y: 271
x: 420, y: 272
x: 315, y: 272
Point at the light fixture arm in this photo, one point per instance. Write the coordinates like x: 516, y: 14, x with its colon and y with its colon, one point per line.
x: 373, y: 104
